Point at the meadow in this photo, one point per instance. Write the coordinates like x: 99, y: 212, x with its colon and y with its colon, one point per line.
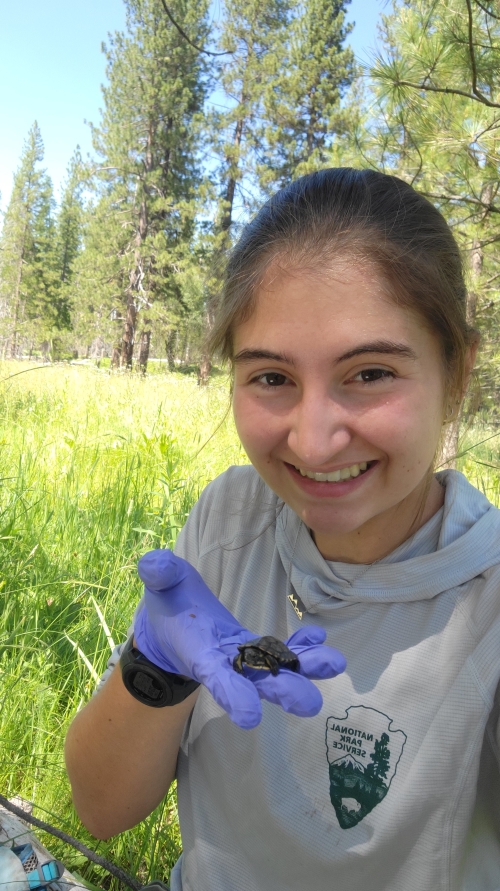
x: 96, y: 470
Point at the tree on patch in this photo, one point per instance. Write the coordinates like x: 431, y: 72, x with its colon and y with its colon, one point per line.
x: 380, y: 758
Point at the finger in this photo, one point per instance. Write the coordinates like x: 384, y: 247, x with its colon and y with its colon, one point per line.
x: 293, y: 692
x: 158, y: 569
x: 234, y: 693
x: 161, y: 570
x: 320, y: 662
x: 238, y: 697
x: 306, y: 637
x: 172, y: 585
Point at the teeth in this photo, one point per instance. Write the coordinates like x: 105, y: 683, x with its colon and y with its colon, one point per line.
x: 346, y: 473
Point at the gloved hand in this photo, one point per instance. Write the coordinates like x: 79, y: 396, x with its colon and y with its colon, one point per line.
x: 181, y: 626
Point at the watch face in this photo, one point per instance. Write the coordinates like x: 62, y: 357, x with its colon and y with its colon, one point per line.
x: 149, y: 683
x: 146, y: 686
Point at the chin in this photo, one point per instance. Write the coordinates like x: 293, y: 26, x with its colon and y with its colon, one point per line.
x: 325, y: 524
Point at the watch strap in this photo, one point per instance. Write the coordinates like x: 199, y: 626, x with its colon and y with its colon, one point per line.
x: 150, y: 684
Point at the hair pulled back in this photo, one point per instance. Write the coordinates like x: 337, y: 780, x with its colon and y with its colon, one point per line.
x: 365, y: 215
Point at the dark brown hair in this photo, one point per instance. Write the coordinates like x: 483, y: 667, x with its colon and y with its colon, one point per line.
x: 369, y: 216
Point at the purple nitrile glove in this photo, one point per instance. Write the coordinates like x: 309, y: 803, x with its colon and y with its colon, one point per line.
x: 181, y: 626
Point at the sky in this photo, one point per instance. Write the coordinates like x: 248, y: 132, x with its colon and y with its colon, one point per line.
x: 52, y: 68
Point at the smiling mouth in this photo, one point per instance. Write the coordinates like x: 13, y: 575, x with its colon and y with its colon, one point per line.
x: 336, y: 476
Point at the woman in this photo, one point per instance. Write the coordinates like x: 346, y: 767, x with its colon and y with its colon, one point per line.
x: 343, y: 317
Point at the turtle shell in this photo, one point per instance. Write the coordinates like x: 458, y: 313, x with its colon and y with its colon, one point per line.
x: 265, y: 653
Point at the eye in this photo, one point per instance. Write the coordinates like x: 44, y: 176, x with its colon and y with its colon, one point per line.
x: 373, y: 375
x: 271, y: 379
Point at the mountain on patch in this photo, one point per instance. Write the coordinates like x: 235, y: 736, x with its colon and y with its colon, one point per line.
x: 349, y: 764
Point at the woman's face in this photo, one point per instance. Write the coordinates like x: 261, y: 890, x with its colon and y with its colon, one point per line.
x: 338, y: 401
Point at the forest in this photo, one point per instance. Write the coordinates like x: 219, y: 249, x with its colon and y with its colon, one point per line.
x: 200, y: 123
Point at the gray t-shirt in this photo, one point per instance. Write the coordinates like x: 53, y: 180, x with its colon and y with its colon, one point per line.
x: 394, y: 786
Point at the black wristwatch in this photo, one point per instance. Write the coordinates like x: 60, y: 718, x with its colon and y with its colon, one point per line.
x: 150, y: 684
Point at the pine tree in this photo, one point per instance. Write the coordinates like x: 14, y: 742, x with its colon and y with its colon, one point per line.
x: 303, y: 112
x: 68, y: 240
x: 45, y: 313
x: 28, y: 276
x: 143, y: 225
x: 437, y: 91
x: 251, y: 34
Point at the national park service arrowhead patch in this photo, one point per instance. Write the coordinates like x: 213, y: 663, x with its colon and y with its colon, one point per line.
x: 363, y: 754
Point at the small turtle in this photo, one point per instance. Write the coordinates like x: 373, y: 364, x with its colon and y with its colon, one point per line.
x: 267, y: 653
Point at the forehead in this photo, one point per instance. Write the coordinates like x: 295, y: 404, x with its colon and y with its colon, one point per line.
x: 341, y: 304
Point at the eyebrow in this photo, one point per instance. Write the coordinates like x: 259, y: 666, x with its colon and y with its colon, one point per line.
x: 386, y: 347
x: 251, y: 355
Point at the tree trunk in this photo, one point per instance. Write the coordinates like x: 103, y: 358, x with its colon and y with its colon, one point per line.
x: 135, y: 284
x: 204, y: 370
x: 170, y: 348
x: 144, y: 345
x: 476, y: 262
x: 115, y: 357
x: 311, y: 124
x: 128, y: 336
x: 227, y: 216
x: 15, y: 333
x: 17, y: 298
x: 205, y: 366
x: 450, y: 447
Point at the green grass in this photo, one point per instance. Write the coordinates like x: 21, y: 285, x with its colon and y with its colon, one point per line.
x: 480, y: 459
x: 96, y: 470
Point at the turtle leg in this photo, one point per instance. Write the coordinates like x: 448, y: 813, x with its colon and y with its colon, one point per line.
x: 274, y: 667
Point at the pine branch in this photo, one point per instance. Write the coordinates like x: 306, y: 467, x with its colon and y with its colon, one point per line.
x: 487, y: 11
x: 449, y: 90
x: 183, y: 34
x: 472, y: 55
x: 462, y: 199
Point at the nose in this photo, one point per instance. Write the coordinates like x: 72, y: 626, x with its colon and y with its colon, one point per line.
x: 318, y: 430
